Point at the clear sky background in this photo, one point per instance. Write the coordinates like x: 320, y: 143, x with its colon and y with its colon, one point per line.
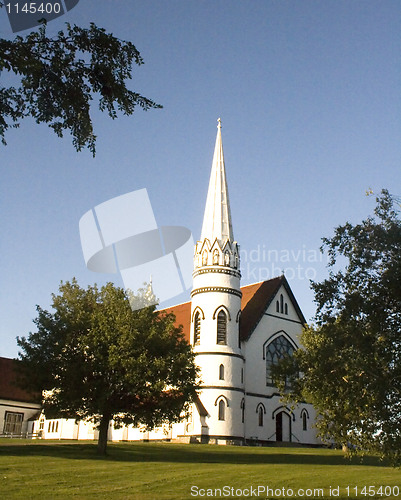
x: 309, y: 93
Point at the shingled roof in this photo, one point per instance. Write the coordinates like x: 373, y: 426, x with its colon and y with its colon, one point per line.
x: 256, y: 298
x: 9, y: 388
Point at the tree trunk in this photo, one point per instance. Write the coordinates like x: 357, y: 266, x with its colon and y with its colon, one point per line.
x: 103, y: 434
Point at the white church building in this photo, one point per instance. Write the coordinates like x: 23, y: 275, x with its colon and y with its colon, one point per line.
x: 237, y: 334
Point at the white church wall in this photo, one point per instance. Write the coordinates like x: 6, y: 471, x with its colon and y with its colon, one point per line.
x: 228, y: 424
x: 215, y: 365
x: 270, y: 326
x: 266, y: 431
x: 208, y: 303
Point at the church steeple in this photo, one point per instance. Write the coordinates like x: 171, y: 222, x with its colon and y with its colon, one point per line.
x: 217, y: 218
x: 216, y: 310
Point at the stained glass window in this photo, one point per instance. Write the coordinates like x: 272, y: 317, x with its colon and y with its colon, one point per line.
x: 276, y: 350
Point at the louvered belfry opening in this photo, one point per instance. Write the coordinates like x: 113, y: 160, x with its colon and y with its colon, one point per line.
x: 222, y: 328
x: 197, y: 327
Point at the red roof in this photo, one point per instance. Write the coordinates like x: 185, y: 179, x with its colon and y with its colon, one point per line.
x: 255, y: 300
x: 9, y: 383
x: 182, y: 313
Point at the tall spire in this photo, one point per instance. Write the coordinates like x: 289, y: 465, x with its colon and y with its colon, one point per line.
x: 217, y: 218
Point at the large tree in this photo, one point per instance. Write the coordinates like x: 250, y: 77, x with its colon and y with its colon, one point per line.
x: 97, y: 359
x: 59, y: 77
x: 350, y: 364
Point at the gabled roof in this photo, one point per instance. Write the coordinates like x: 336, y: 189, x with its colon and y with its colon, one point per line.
x: 256, y: 298
x: 9, y: 388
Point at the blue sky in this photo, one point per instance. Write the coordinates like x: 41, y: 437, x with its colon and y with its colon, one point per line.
x: 310, y: 102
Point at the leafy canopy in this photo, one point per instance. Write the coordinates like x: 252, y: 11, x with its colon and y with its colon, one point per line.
x: 351, y: 358
x: 98, y: 359
x: 59, y: 76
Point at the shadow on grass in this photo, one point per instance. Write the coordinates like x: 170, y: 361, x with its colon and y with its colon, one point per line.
x: 176, y: 453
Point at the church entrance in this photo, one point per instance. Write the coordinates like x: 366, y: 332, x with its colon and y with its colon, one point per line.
x: 283, y: 427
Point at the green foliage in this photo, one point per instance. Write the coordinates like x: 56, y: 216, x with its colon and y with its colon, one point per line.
x: 60, y: 75
x: 99, y: 359
x: 351, y: 361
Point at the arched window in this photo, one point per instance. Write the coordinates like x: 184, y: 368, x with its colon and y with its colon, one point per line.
x: 222, y: 328
x: 276, y: 350
x: 221, y: 372
x: 197, y: 326
x: 204, y: 258
x: 216, y: 256
x: 281, y: 303
x: 304, y: 416
x: 222, y: 409
x: 277, y: 306
x: 286, y: 308
x: 260, y: 416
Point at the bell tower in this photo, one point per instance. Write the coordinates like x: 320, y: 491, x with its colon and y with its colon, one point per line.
x: 216, y: 310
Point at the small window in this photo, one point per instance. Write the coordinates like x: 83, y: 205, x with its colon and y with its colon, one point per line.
x: 242, y: 375
x: 222, y: 410
x: 286, y: 308
x: 281, y: 303
x: 222, y: 328
x: 260, y: 416
x: 197, y: 327
x: 304, y: 421
x: 49, y: 428
x: 277, y: 306
x: 221, y: 372
x: 204, y: 258
x: 239, y: 331
x: 243, y: 411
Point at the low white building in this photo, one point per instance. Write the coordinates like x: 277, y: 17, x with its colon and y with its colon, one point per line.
x: 237, y: 334
x: 17, y: 406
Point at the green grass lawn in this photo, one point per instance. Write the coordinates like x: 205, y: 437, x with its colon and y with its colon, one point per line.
x: 159, y: 471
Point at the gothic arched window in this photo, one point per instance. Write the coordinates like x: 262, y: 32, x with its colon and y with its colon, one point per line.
x: 260, y: 416
x: 305, y: 416
x: 197, y: 327
x: 222, y: 410
x: 222, y: 328
x: 279, y: 348
x: 221, y: 372
x: 204, y: 258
